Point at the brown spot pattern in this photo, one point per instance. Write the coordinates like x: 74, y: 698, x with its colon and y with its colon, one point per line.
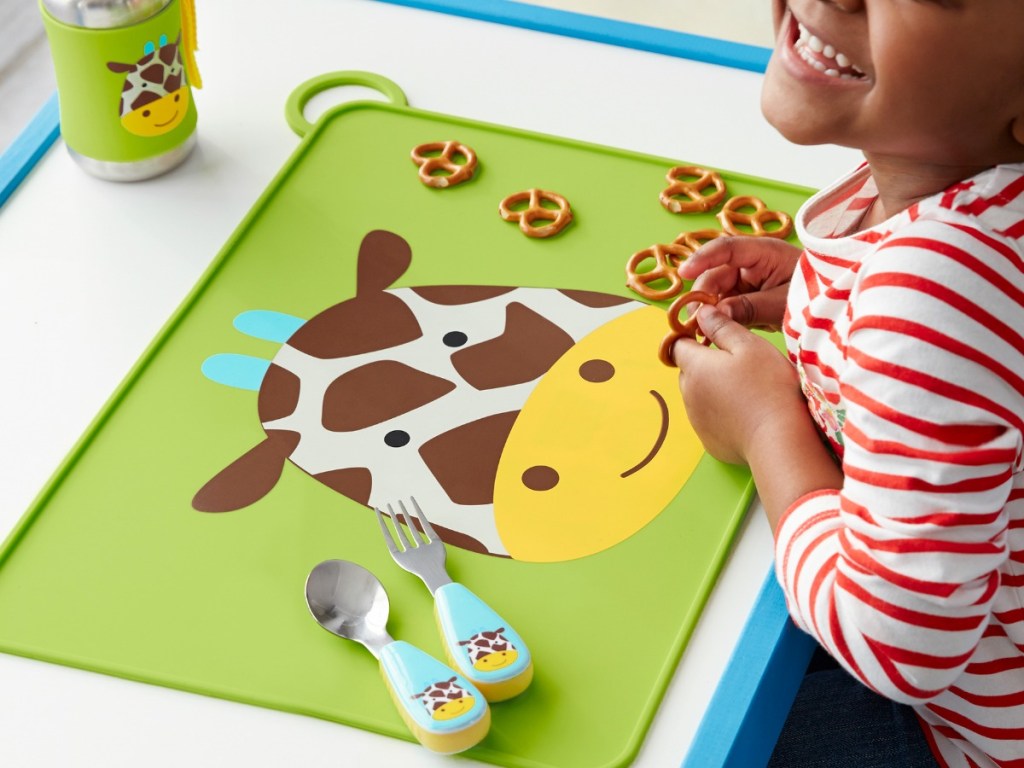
x: 168, y: 52
x: 376, y: 392
x: 353, y: 482
x: 153, y: 73
x: 452, y: 295
x: 465, y: 459
x: 279, y: 394
x: 526, y: 350
x: 144, y: 98
x: 367, y: 323
x: 595, y: 299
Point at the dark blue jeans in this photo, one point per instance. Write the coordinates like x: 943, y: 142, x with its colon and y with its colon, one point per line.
x: 836, y: 722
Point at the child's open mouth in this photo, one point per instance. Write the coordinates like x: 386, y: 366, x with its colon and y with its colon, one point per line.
x: 823, y: 56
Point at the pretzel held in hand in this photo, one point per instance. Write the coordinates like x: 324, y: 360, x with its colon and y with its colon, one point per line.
x: 536, y: 211
x: 667, y: 259
x: 695, y: 201
x: 441, y: 156
x: 683, y: 329
x: 732, y: 218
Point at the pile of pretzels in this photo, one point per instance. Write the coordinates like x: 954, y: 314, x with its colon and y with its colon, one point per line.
x: 698, y: 190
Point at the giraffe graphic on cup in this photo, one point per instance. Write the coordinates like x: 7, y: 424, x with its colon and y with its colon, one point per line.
x: 155, y: 95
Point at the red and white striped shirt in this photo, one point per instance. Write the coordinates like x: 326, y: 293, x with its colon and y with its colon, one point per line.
x: 909, y: 341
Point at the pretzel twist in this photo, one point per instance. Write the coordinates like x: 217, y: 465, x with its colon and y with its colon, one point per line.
x: 683, y: 329
x: 694, y: 240
x: 452, y: 172
x: 731, y: 217
x: 694, y: 200
x: 667, y: 259
x: 535, y: 211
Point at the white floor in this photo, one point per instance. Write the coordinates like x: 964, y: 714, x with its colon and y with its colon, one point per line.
x: 26, y: 72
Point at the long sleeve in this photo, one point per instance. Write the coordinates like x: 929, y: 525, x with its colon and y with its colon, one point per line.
x: 913, y: 566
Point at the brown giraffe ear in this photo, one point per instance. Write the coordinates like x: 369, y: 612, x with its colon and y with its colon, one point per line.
x: 383, y: 258
x: 120, y: 67
x: 250, y: 477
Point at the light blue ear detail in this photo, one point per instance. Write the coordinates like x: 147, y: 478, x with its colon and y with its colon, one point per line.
x: 148, y: 48
x: 163, y: 40
x: 269, y: 325
x: 233, y: 370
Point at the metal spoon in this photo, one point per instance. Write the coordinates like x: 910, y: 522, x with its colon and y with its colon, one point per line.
x: 444, y: 711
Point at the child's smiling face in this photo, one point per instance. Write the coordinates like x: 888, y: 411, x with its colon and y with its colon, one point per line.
x: 925, y: 81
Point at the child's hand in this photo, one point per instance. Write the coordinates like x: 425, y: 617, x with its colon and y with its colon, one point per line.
x: 739, y: 393
x: 752, y: 275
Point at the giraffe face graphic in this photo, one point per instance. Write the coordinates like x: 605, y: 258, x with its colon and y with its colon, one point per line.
x: 155, y: 93
x: 160, y: 116
x: 550, y: 481
x: 535, y: 421
x: 497, y: 660
x: 452, y: 709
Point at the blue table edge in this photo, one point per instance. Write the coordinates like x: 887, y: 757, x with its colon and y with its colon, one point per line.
x: 753, y: 697
x: 602, y: 30
x: 28, y: 147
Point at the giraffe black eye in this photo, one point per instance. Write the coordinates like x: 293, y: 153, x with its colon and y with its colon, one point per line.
x: 455, y: 339
x: 145, y: 113
x: 396, y: 438
x: 177, y: 96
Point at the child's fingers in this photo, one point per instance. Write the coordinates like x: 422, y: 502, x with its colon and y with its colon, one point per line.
x: 761, y: 309
x: 763, y: 254
x: 717, y: 280
x: 715, y: 253
x: 722, y: 331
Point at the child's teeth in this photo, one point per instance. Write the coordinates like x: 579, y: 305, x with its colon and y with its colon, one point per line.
x: 808, y: 42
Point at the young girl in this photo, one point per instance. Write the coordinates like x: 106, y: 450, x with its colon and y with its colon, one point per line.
x: 887, y: 450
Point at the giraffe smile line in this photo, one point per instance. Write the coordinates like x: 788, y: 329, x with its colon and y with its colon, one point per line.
x: 658, y: 442
x: 173, y: 118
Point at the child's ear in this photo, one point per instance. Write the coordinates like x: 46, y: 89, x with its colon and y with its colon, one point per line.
x: 1017, y: 129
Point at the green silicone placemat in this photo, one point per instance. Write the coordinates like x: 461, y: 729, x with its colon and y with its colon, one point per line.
x: 155, y: 591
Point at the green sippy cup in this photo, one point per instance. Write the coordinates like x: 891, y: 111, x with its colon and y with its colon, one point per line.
x: 123, y: 72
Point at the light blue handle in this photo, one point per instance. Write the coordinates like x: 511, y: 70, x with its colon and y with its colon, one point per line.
x: 445, y: 712
x: 482, y: 645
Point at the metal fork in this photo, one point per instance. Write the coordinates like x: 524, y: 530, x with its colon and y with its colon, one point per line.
x: 425, y: 556
x: 478, y: 642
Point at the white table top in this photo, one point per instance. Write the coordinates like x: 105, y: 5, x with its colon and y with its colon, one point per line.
x: 80, y: 299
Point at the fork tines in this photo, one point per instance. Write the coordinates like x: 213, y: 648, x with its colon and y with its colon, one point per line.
x: 402, y: 520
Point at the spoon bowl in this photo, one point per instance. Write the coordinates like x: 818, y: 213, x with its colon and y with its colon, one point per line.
x: 350, y: 602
